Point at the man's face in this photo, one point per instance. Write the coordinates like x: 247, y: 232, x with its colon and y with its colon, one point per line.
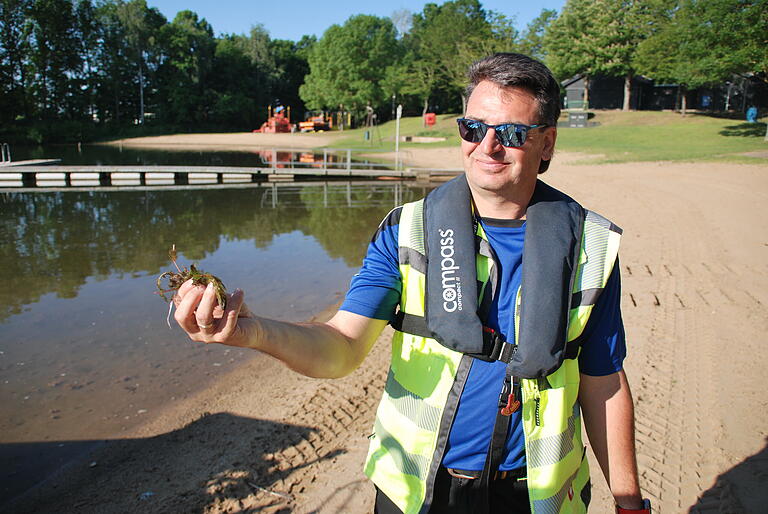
x: 494, y: 168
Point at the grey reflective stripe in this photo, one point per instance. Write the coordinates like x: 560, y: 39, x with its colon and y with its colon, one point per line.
x: 595, y: 218
x: 596, y: 248
x: 412, y: 257
x: 408, y: 463
x: 552, y: 449
x: 552, y: 504
x: 416, y: 236
x: 585, y: 297
x: 411, y: 405
x: 484, y: 248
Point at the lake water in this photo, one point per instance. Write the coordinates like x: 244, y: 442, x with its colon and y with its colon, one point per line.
x: 85, y: 351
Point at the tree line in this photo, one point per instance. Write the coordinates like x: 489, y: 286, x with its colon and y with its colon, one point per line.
x: 112, y: 63
x: 84, y: 65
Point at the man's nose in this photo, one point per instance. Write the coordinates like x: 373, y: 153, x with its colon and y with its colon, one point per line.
x: 490, y: 143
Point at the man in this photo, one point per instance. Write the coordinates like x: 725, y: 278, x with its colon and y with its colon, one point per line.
x: 492, y: 361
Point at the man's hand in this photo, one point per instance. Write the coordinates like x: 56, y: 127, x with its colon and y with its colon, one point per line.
x: 199, y: 315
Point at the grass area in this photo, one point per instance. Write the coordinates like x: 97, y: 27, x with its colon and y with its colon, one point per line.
x: 382, y: 137
x: 664, y: 136
x: 617, y: 137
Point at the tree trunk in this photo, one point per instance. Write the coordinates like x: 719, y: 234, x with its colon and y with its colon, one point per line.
x: 627, y: 92
x: 683, y: 101
x: 141, y: 92
x: 586, y: 94
x: 424, y: 112
x: 463, y: 103
x: 117, y: 105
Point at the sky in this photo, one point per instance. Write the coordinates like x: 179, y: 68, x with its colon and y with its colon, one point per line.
x: 291, y: 19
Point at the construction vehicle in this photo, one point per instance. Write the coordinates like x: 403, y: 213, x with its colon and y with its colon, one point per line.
x: 279, y: 121
x: 316, y: 121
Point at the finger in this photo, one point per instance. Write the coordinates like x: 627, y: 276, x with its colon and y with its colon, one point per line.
x: 228, y: 324
x: 182, y: 291
x: 204, y: 312
x: 185, y: 310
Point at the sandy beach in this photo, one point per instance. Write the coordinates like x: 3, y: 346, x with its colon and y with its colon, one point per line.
x: 694, y: 262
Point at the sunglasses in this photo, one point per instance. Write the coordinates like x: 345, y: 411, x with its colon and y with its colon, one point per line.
x: 508, y: 134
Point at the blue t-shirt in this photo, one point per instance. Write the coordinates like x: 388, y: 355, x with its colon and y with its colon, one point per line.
x: 375, y: 293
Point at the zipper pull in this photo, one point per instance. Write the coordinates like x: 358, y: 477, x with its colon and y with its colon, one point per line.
x: 512, y: 401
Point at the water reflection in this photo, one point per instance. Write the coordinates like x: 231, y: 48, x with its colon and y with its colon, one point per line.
x: 85, y: 352
x: 106, y: 155
x: 53, y: 242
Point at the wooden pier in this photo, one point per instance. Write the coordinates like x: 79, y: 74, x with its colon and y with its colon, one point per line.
x: 48, y: 178
x: 31, y: 162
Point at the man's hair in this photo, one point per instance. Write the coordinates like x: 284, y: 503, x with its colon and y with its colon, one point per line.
x: 518, y: 70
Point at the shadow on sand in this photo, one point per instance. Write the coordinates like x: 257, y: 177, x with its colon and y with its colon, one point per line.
x: 220, y: 459
x: 740, y: 490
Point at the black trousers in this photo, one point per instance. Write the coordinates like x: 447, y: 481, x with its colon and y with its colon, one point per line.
x: 465, y: 496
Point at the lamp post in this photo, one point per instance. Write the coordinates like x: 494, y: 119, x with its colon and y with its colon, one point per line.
x: 397, y: 137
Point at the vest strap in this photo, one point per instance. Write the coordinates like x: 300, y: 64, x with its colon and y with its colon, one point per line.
x: 496, y: 346
x: 499, y: 348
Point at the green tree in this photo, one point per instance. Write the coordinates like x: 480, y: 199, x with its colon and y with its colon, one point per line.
x: 14, y: 53
x: 348, y: 64
x: 593, y: 37
x: 448, y: 37
x: 114, y: 69
x: 55, y: 57
x: 291, y: 61
x: 141, y: 25
x: 189, y: 49
x: 87, y: 34
x: 257, y: 47
x: 695, y: 42
x: 417, y: 77
x: 532, y: 38
x: 233, y: 85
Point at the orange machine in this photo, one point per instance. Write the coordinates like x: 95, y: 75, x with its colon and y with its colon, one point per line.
x: 278, y: 121
x: 316, y: 121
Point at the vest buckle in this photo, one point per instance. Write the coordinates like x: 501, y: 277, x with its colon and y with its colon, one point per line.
x: 509, y: 399
x: 500, y: 349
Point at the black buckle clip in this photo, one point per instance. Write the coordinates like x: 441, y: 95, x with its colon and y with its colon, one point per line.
x: 500, y: 348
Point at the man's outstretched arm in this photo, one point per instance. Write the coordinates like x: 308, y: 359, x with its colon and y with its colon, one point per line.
x: 323, y: 350
x: 609, y: 418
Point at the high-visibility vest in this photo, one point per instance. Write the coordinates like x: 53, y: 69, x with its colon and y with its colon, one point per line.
x: 425, y: 381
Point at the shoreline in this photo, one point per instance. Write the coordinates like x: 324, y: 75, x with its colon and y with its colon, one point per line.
x: 235, y: 141
x: 443, y: 157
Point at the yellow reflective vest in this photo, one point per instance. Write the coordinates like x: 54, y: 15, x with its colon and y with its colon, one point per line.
x: 425, y: 381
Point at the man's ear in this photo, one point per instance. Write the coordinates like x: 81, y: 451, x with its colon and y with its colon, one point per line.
x: 549, y: 149
x: 549, y: 144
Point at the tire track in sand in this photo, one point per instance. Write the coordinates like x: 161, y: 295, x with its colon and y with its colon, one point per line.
x: 340, y: 414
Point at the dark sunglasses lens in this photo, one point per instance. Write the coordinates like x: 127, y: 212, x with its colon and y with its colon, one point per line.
x: 511, y: 135
x: 471, y: 131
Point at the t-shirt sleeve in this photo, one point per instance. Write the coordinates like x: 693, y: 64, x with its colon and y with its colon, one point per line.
x: 604, y: 347
x: 374, y: 291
